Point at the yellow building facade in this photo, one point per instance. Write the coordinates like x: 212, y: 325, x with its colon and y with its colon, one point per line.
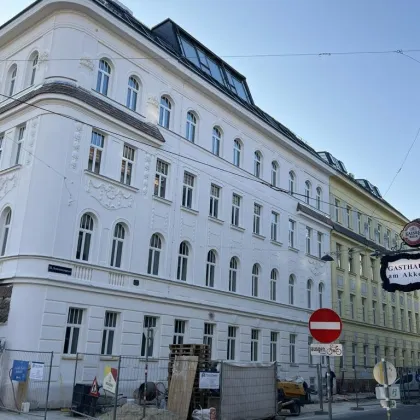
x: 376, y: 323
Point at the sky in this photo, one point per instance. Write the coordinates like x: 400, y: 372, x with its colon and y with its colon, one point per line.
x: 363, y: 108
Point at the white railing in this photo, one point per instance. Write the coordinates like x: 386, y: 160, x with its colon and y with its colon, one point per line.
x: 116, y: 279
x: 82, y: 273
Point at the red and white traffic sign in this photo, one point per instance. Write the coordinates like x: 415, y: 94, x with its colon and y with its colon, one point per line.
x: 325, y: 325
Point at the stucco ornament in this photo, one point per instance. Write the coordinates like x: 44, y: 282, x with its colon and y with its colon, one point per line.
x: 76, y: 145
x: 44, y: 56
x: 7, y: 183
x: 110, y: 197
x: 146, y: 174
x: 87, y: 62
x: 316, y: 267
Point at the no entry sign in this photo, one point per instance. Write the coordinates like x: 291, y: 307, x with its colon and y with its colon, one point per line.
x: 325, y: 325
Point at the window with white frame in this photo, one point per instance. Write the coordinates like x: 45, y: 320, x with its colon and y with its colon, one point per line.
x: 1, y: 145
x: 231, y: 343
x: 376, y: 354
x: 255, y: 278
x: 254, y: 344
x: 320, y: 240
x: 233, y: 273
x: 216, y: 141
x: 292, y: 227
x: 353, y: 355
x: 188, y: 190
x: 236, y: 209
x: 165, y: 109
x: 308, y: 189
x: 179, y: 331
x: 402, y: 317
x: 349, y: 219
x: 274, y: 338
x: 132, y: 93
x: 410, y: 322
x: 388, y: 239
x: 155, y: 248
x: 257, y: 219
x: 208, y: 335
x: 362, y: 264
x: 34, y: 67
x: 84, y: 239
x: 96, y: 150
x: 237, y: 150
x: 394, y: 317
x: 369, y: 228
x: 127, y: 164
x: 352, y: 308
x: 374, y: 312
x: 117, y: 245
x: 384, y: 313
x: 74, y: 322
x: 310, y: 358
x: 372, y: 268
x: 108, y: 334
x: 275, y: 217
x: 12, y: 79
x: 365, y: 355
x: 149, y: 334
x: 309, y: 285
x: 161, y: 178
x: 19, y: 144
x: 104, y: 74
x: 274, y: 173
x: 257, y: 164
x: 182, y: 261
x: 318, y: 198
x: 291, y: 289
x: 321, y: 295
x: 190, y: 131
x: 214, y: 201
x: 359, y: 223
x: 340, y: 302
x: 292, y: 182
x: 292, y: 348
x: 351, y: 260
x: 210, y: 268
x: 338, y: 255
x: 273, y: 284
x: 379, y: 234
x: 308, y: 240
x: 364, y: 309
x: 6, y: 218
x: 337, y: 206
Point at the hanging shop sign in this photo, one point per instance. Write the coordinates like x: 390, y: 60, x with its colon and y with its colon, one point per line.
x: 411, y: 233
x: 401, y: 272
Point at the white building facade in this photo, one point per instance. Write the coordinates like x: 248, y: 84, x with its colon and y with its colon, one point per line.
x: 135, y: 192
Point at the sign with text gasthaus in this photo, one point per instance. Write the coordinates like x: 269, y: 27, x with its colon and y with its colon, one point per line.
x: 333, y: 350
x: 411, y: 233
x: 401, y: 272
x: 110, y: 379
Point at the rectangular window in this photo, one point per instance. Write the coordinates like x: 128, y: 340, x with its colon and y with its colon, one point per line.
x: 254, y: 345
x: 236, y: 209
x: 127, y: 164
x: 362, y: 264
x: 416, y: 317
x: 338, y: 255
x: 188, y: 190
x: 353, y: 355
x: 340, y: 303
x: 372, y: 268
x: 179, y: 332
x: 379, y: 236
x: 208, y: 335
x: 374, y: 312
x: 376, y: 354
x: 214, y: 201
x: 108, y: 335
x: 349, y: 219
x: 161, y: 178
x: 19, y: 144
x: 359, y: 224
x: 369, y: 228
x: 365, y: 355
x: 388, y: 239
x: 1, y: 145
x: 352, y: 309
x: 74, y: 321
x: 310, y: 358
x: 351, y: 267
x: 384, y: 314
x: 320, y: 240
x: 231, y: 343
x: 274, y: 226
x: 149, y: 333
x: 337, y: 210
x: 292, y: 225
x: 402, y: 319
x: 292, y: 348
x: 394, y: 318
x: 308, y: 240
x: 364, y: 309
x: 97, y: 143
x: 257, y: 219
x: 274, y: 337
x: 342, y: 358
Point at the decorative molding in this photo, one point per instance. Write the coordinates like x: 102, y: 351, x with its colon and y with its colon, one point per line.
x: 42, y: 58
x: 148, y: 158
x: 33, y: 128
x: 76, y: 145
x: 317, y: 268
x: 7, y: 183
x: 110, y: 197
x: 153, y: 101
x: 87, y: 62
x: 374, y: 291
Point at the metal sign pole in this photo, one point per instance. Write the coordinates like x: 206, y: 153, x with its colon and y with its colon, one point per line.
x: 329, y: 390
x: 386, y: 386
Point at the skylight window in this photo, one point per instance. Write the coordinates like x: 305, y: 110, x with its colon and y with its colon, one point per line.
x: 190, y: 52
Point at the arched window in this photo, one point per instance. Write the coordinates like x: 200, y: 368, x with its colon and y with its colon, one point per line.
x: 255, y: 276
x: 257, y: 164
x: 321, y: 294
x: 6, y: 218
x: 237, y: 148
x: 132, y: 93
x: 117, y: 245
x: 274, y: 173
x: 308, y: 189
x: 233, y: 274
x: 190, y: 132
x: 292, y: 180
x: 85, y: 237
x: 165, y: 112
x: 309, y: 293
x: 318, y: 198
x: 104, y: 74
x: 182, y: 261
x: 210, y: 268
x: 11, y: 80
x: 155, y: 249
x: 216, y: 140
x: 291, y: 289
x: 273, y: 284
x: 33, y: 61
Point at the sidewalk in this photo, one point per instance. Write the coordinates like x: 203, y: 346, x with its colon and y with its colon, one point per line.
x: 339, y: 407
